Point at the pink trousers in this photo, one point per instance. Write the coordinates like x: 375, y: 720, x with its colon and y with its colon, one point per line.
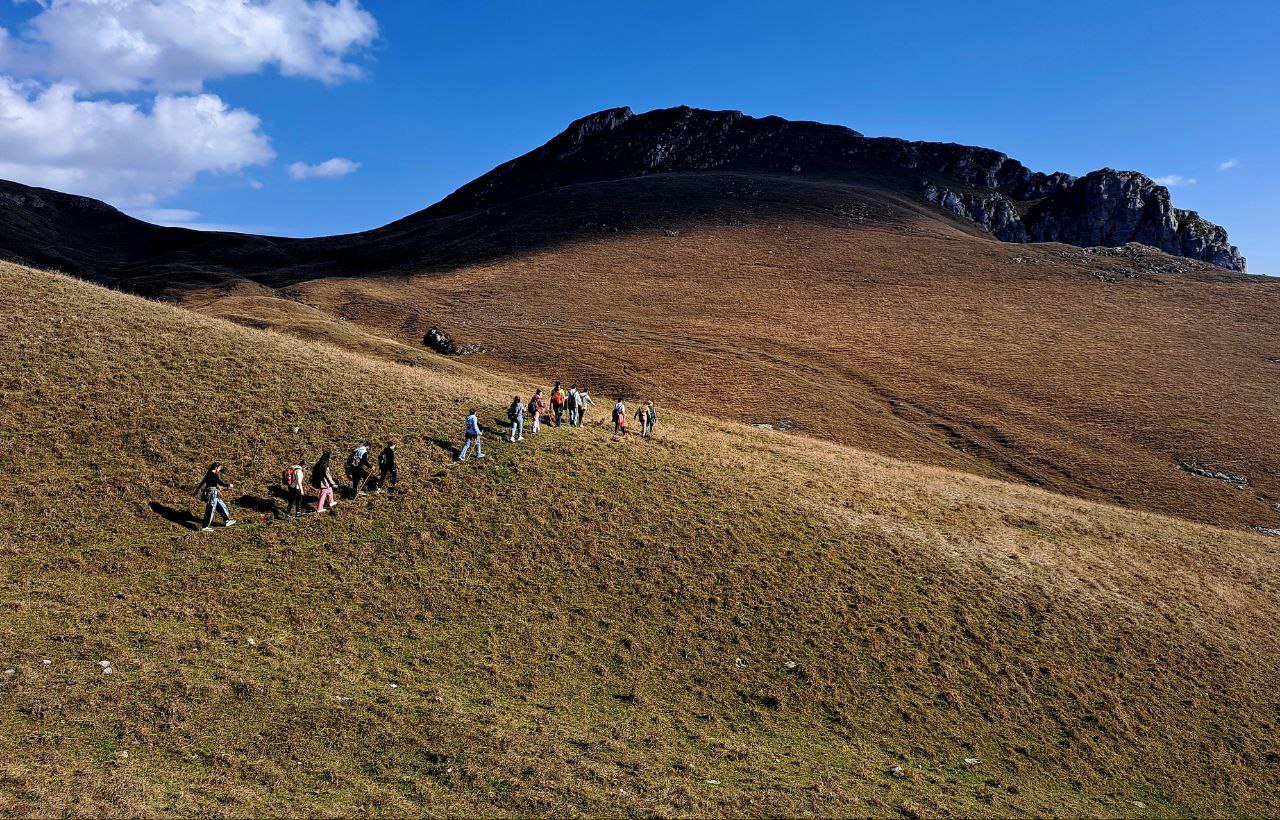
x: 326, y: 492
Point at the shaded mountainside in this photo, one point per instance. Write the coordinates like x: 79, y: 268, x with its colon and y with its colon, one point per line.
x: 985, y: 187
x: 999, y: 194
x: 820, y: 631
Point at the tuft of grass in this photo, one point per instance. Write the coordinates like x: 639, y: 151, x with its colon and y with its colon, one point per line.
x: 719, y: 621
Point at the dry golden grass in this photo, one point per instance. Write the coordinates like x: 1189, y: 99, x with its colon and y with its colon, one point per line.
x: 577, y: 625
x: 866, y: 319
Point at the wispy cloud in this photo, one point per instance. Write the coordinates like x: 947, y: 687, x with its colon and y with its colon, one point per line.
x: 1227, y: 165
x: 1174, y: 180
x: 183, y: 218
x: 329, y: 169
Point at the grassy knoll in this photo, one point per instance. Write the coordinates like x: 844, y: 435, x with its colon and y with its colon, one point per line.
x: 721, y: 621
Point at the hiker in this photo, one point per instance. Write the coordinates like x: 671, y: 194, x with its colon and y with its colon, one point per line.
x: 647, y: 415
x: 322, y: 479
x: 473, y: 437
x: 571, y: 404
x: 387, y: 472
x: 294, y: 476
x: 515, y: 415
x: 619, y: 418
x: 584, y: 401
x: 359, y: 469
x: 557, y: 403
x: 209, y: 490
x: 537, y: 406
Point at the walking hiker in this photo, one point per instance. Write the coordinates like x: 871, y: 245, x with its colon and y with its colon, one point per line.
x: 359, y: 469
x: 572, y: 405
x: 647, y: 415
x: 619, y: 419
x: 584, y: 401
x: 515, y: 414
x: 387, y: 472
x: 537, y: 406
x: 473, y: 437
x: 294, y: 476
x: 557, y: 402
x: 322, y: 479
x: 209, y: 490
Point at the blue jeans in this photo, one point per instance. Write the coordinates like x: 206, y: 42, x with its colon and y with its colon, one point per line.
x: 517, y: 430
x: 216, y: 505
x: 467, y: 448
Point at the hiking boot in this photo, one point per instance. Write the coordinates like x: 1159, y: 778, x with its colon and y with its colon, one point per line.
x: 207, y: 529
x: 230, y: 521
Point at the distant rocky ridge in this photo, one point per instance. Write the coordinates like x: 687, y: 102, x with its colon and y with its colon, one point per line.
x: 999, y: 194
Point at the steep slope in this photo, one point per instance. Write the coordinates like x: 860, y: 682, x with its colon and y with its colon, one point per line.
x: 801, y: 275
x: 560, y: 640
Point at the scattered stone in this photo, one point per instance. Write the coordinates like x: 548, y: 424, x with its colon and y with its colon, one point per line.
x: 713, y: 782
x: 297, y: 429
x: 104, y: 664
x: 46, y: 661
x: 10, y: 672
x: 789, y: 664
x: 740, y: 663
x: 670, y: 233
x: 795, y: 169
x: 252, y: 642
x: 1273, y: 532
x: 107, y: 670
x: 124, y: 755
x: 395, y: 686
x: 1234, y: 479
x: 762, y: 425
x: 898, y: 771
x: 971, y: 761
x: 1018, y: 260
x: 1139, y: 804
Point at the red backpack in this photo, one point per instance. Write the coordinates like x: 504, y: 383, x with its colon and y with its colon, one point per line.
x: 287, y: 478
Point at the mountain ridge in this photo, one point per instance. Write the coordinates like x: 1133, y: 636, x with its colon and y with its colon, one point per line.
x: 981, y: 186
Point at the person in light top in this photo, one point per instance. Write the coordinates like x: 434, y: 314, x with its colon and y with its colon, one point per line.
x: 472, y: 437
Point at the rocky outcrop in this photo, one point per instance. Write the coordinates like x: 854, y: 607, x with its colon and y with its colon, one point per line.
x: 995, y: 192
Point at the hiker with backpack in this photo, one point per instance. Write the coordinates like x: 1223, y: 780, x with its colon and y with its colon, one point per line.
x: 619, y: 419
x: 387, y: 472
x: 359, y: 469
x: 647, y: 415
x: 322, y: 479
x: 472, y: 437
x: 293, y: 478
x: 537, y: 406
x: 557, y: 403
x: 515, y: 415
x: 209, y: 490
x: 571, y: 404
x: 584, y: 401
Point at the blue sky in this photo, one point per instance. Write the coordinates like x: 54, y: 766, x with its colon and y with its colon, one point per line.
x: 200, y: 111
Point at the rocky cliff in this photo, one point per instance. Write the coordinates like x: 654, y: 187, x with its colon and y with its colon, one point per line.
x: 997, y: 193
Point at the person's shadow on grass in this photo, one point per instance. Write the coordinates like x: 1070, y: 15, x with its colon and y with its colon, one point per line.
x: 259, y: 505
x: 183, y: 518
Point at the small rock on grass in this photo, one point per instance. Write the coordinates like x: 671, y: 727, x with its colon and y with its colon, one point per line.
x: 971, y: 761
x: 1139, y: 804
x: 898, y: 771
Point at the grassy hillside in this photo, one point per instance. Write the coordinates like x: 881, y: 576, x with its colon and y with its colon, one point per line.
x: 854, y: 314
x: 721, y: 621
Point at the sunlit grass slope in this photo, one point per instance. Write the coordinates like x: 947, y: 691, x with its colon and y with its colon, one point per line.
x: 720, y: 621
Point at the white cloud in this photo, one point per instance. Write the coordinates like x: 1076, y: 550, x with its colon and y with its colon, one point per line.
x: 1174, y: 180
x: 329, y: 169
x: 175, y: 45
x: 183, y: 218
x: 120, y: 151
x: 1227, y: 165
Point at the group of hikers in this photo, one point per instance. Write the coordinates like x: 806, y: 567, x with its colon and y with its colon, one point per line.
x: 359, y: 466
